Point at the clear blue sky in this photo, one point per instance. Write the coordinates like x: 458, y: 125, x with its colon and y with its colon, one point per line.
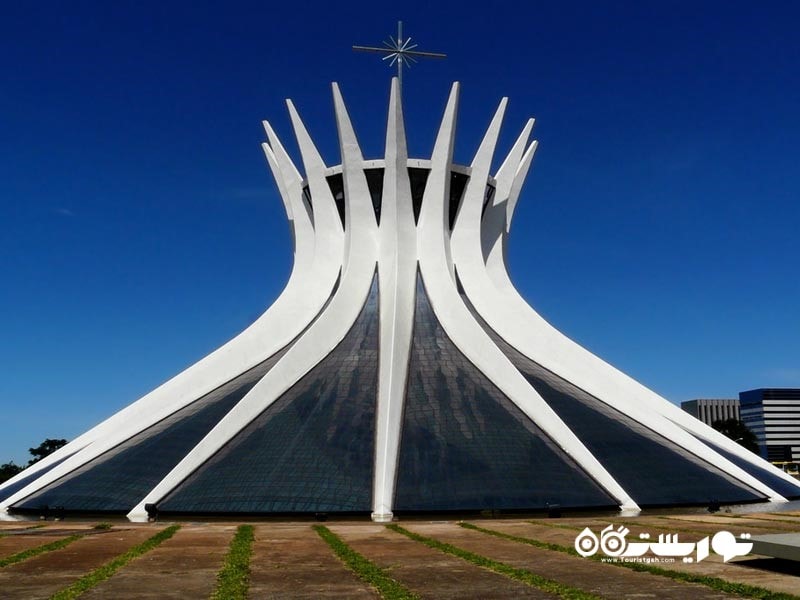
x: 141, y: 228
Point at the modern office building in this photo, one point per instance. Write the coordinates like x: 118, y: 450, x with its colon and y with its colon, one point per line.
x: 399, y: 372
x: 709, y: 410
x: 773, y: 415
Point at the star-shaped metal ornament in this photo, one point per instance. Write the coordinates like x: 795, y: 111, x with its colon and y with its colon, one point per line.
x: 400, y: 52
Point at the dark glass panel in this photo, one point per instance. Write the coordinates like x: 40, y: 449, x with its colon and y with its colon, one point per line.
x: 783, y: 487
x: 458, y: 182
x: 374, y: 179
x: 336, y: 183
x: 375, y: 185
x: 118, y: 479
x: 465, y: 446
x: 653, y: 470
x: 418, y: 178
x: 311, y: 451
x: 13, y: 488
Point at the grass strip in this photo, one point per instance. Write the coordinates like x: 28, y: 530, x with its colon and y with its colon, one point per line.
x: 31, y: 552
x: 717, y: 523
x: 523, y: 575
x: 522, y: 540
x: 716, y: 583
x: 233, y: 578
x: 792, y: 521
x: 643, y: 525
x: 100, y: 574
x: 555, y: 525
x: 365, y: 569
x: 39, y: 526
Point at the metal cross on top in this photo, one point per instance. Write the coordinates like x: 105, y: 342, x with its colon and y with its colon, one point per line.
x: 400, y: 51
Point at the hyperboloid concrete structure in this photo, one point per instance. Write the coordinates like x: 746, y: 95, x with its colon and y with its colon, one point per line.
x: 398, y: 372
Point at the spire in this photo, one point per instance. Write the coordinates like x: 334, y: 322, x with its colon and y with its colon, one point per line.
x: 401, y: 52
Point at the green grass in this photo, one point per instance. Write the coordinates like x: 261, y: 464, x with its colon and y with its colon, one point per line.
x: 742, y: 589
x: 523, y: 575
x: 233, y: 578
x: 368, y: 571
x: 100, y: 574
x: 31, y: 552
x: 103, y: 526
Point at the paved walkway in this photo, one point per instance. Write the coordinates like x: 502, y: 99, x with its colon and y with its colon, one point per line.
x: 290, y: 560
x: 45, y: 574
x: 428, y: 572
x: 184, y: 566
x: 770, y: 574
x: 601, y: 579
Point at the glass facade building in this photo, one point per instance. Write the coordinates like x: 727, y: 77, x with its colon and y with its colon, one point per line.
x: 773, y: 415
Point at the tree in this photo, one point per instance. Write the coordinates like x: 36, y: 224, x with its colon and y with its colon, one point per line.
x: 738, y: 432
x: 8, y: 470
x: 45, y: 448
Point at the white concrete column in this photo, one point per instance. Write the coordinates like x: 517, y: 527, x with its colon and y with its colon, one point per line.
x: 397, y: 268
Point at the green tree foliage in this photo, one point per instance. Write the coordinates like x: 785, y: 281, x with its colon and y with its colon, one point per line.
x: 45, y: 448
x: 738, y: 432
x: 8, y: 470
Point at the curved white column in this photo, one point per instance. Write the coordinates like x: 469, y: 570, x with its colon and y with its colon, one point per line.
x: 328, y: 230
x: 302, y: 227
x: 637, y: 393
x: 517, y: 323
x: 316, y: 268
x: 321, y: 337
x: 626, y: 385
x: 397, y: 269
x: 509, y: 180
x: 459, y: 324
